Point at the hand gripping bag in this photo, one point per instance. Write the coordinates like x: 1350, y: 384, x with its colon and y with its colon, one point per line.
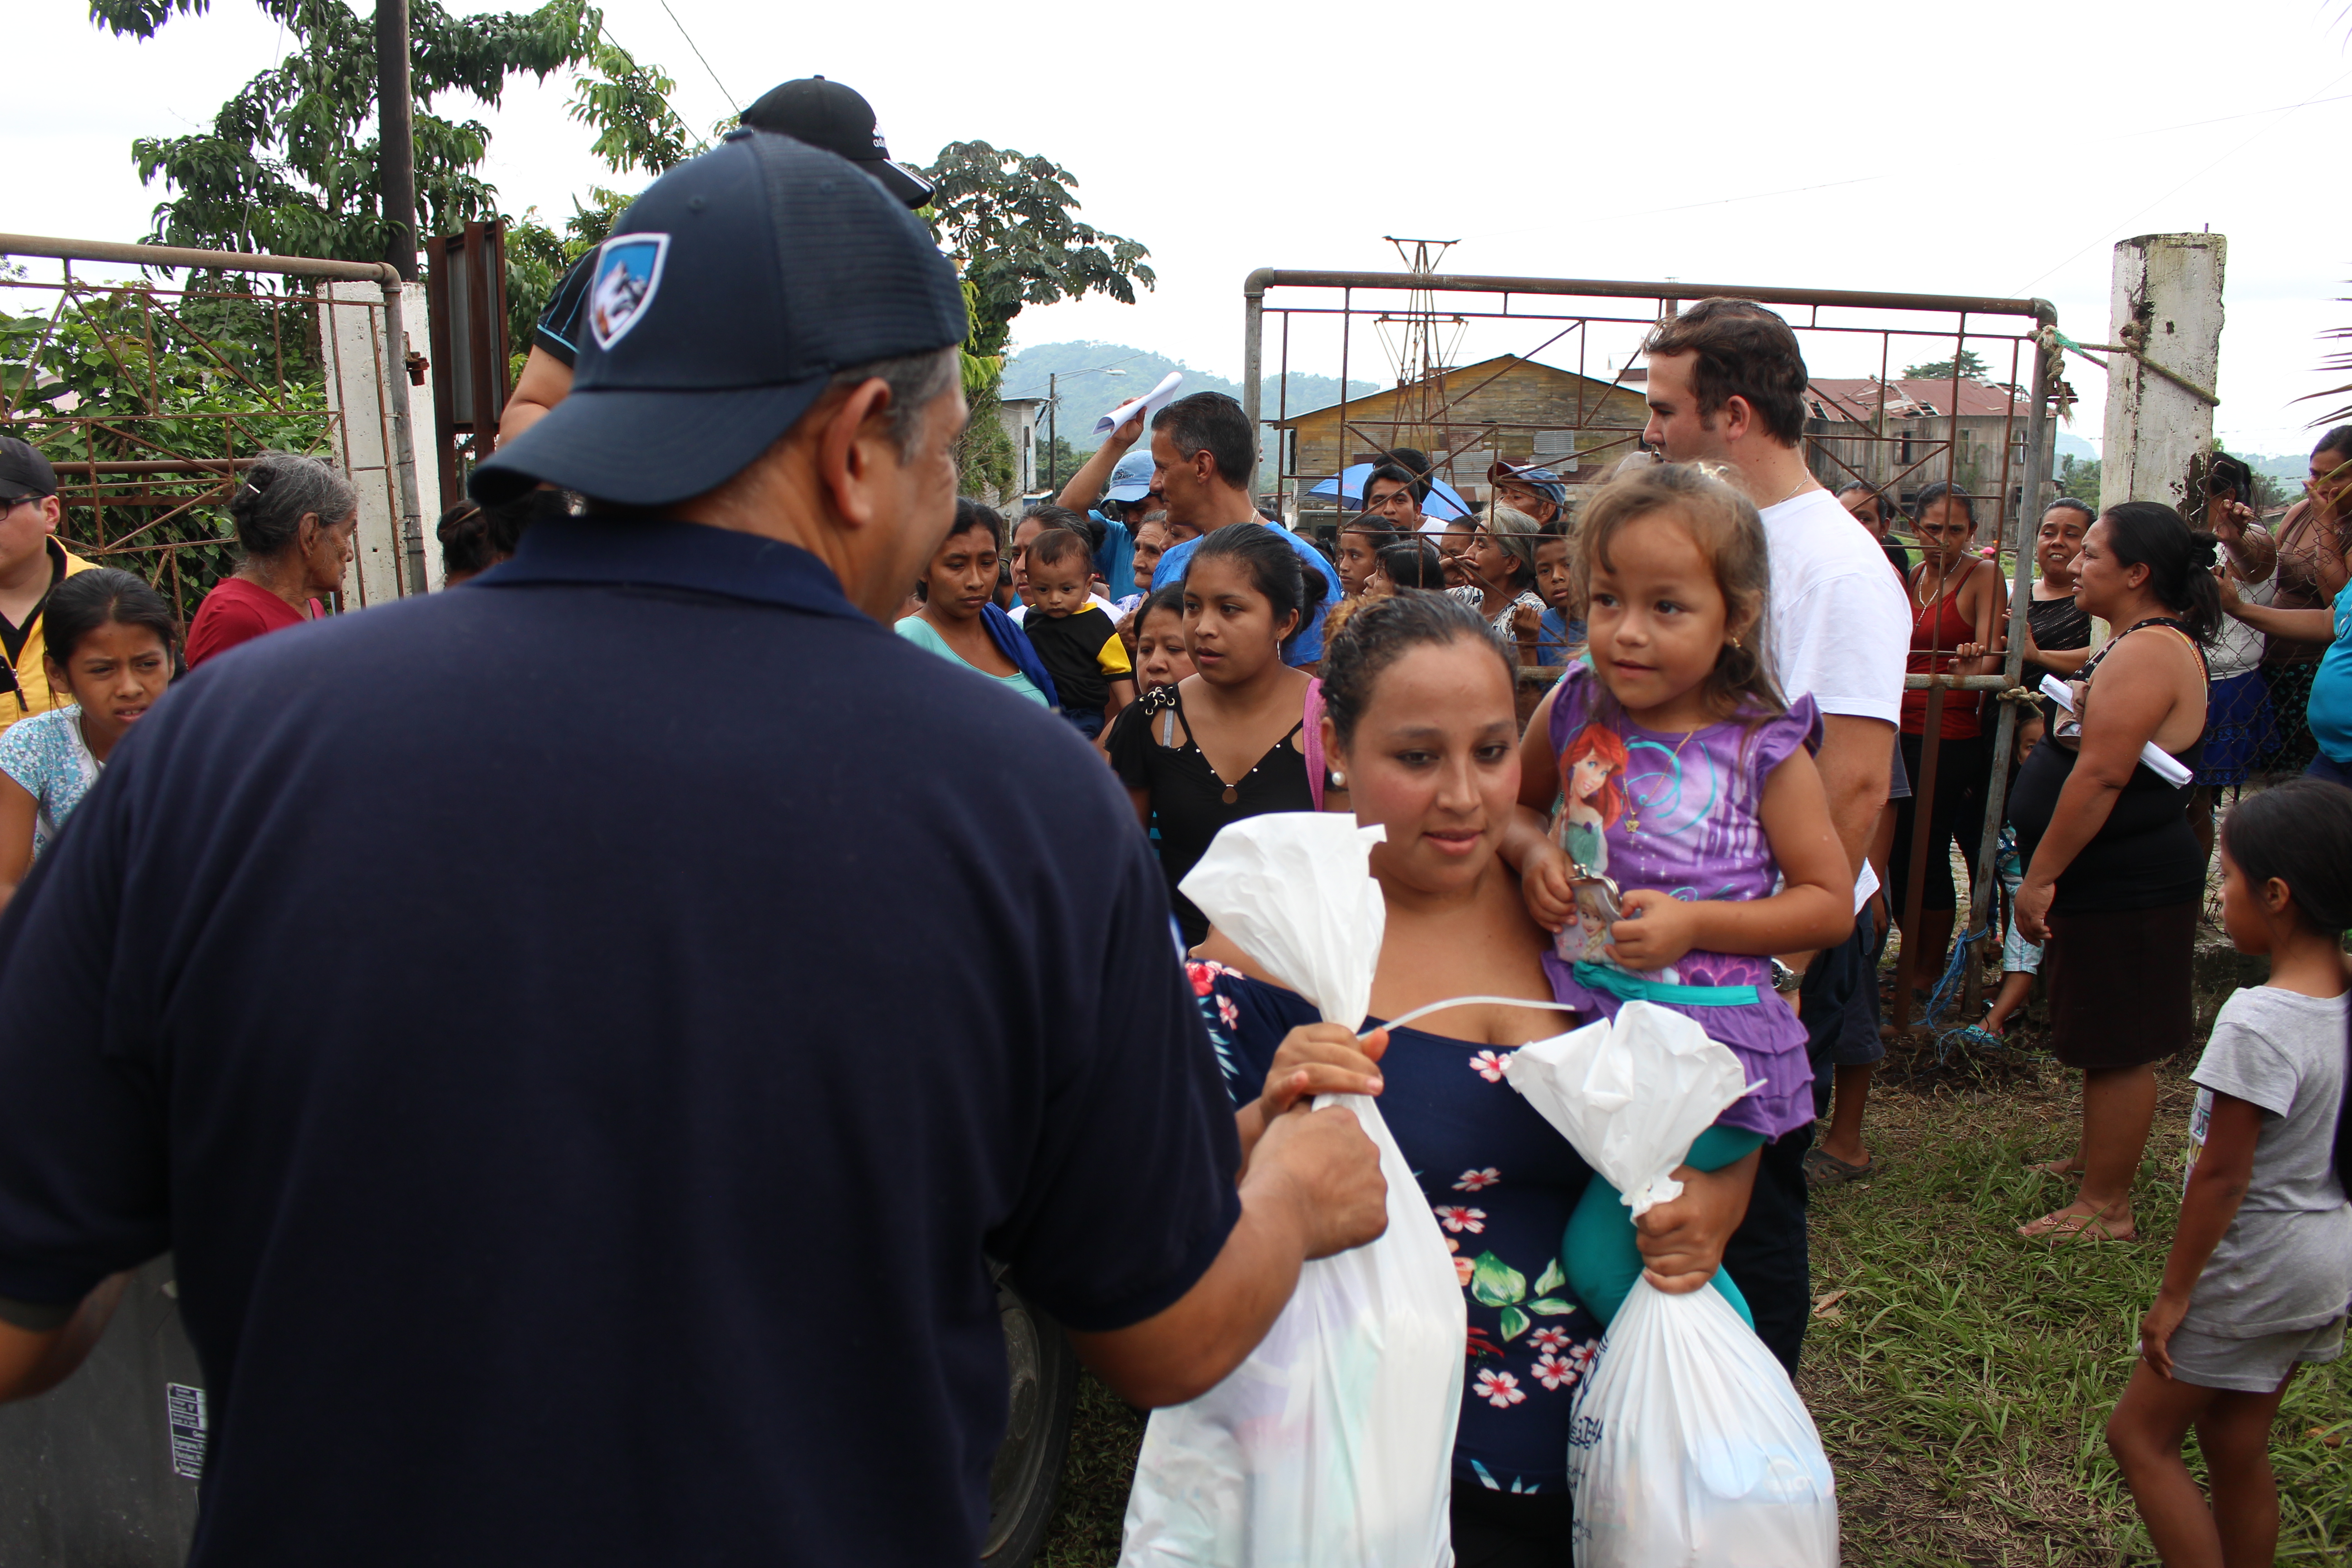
x: 1331, y: 1445
x: 1690, y: 1448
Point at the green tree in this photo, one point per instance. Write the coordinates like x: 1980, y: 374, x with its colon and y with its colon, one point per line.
x: 290, y: 163
x: 1971, y: 368
x: 1059, y: 462
x: 1008, y: 220
x: 2079, y: 477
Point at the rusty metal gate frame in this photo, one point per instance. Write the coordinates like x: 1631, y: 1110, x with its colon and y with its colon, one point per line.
x: 2012, y: 529
x: 394, y: 432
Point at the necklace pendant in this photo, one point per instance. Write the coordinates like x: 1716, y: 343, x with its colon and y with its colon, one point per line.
x: 1231, y: 794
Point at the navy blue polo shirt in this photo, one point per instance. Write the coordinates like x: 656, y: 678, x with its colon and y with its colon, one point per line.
x: 580, y: 1034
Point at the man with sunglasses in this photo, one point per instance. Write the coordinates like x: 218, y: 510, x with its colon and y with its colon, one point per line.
x: 32, y: 562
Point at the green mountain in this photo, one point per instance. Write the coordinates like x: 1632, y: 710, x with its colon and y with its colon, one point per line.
x: 1087, y: 393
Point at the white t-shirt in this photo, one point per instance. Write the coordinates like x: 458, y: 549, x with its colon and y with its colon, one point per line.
x: 1841, y: 630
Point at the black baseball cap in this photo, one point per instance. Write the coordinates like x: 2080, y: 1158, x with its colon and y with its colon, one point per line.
x: 23, y: 472
x: 727, y: 296
x: 838, y: 119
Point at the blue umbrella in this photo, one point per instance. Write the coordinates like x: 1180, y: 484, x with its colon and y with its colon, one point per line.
x: 1445, y: 501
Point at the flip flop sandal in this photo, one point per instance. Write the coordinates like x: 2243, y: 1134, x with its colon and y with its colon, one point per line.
x: 1823, y: 1169
x: 2054, y: 1228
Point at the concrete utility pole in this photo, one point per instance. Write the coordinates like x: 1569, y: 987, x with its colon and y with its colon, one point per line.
x: 2167, y: 310
x: 396, y: 135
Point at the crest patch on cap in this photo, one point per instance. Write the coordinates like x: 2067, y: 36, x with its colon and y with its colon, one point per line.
x: 629, y: 271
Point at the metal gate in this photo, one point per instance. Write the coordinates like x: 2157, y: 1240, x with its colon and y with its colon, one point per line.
x: 1461, y: 382
x: 148, y: 395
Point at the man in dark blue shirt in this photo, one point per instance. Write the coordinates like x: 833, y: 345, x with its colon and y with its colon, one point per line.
x: 583, y: 1033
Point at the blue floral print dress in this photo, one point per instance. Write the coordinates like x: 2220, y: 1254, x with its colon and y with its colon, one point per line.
x: 1501, y: 1182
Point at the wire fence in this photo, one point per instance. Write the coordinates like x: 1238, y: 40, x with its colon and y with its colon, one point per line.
x: 1906, y: 390
x: 151, y: 377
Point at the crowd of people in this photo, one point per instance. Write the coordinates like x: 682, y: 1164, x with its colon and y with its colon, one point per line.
x: 715, y: 906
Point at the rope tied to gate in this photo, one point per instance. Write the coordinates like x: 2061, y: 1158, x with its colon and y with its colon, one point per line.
x: 2024, y: 696
x: 2054, y: 340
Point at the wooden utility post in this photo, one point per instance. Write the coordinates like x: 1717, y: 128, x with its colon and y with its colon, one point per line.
x: 2166, y: 310
x: 395, y: 136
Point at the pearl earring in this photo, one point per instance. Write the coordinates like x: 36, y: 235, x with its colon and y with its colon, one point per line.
x: 1339, y: 779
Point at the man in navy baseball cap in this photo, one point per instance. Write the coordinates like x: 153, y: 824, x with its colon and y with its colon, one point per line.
x: 826, y: 114
x: 729, y: 297
x: 709, y: 954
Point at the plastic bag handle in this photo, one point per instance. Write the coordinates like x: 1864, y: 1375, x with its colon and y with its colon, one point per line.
x: 1423, y: 1011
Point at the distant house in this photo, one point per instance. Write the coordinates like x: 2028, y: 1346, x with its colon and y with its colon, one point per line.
x: 1515, y: 409
x: 1894, y: 436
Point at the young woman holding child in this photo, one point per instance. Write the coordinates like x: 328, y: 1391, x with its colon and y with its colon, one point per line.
x: 2262, y: 1262
x: 1420, y: 719
x: 1683, y: 772
x: 960, y: 619
x: 109, y: 646
x: 1230, y: 740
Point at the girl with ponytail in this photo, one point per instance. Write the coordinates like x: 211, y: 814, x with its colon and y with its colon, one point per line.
x: 2262, y: 1261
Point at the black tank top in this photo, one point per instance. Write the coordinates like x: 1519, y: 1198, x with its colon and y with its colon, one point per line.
x: 2144, y: 856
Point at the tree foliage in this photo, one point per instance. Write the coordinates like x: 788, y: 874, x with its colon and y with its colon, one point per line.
x: 130, y: 374
x: 290, y: 163
x: 1972, y: 368
x: 1009, y: 221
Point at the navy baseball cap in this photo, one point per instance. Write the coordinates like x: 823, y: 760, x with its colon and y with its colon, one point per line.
x: 23, y: 472
x: 1535, y: 476
x: 727, y: 298
x: 836, y: 117
x: 1131, y: 480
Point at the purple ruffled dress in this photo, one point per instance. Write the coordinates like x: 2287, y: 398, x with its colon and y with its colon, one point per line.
x: 1682, y: 813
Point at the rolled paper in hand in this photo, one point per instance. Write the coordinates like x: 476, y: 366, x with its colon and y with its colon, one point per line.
x: 2163, y: 762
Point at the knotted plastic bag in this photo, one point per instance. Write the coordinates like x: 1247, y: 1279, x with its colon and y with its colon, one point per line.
x: 1331, y: 1445
x: 1631, y: 1095
x: 1690, y: 1448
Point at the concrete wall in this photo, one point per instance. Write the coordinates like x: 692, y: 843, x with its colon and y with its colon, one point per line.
x: 351, y: 333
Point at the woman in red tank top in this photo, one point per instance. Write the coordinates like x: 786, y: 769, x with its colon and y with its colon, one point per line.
x: 1957, y: 608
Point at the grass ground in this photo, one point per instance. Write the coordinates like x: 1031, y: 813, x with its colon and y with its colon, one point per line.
x: 1963, y: 1380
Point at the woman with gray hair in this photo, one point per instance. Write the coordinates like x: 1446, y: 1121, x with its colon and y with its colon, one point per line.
x: 295, y: 516
x: 1501, y: 565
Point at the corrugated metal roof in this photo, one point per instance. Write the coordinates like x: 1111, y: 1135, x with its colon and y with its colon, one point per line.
x: 1857, y: 402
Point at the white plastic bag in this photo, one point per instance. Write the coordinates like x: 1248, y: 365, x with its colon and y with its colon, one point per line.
x: 1632, y: 1094
x: 1332, y: 1445
x: 1690, y: 1448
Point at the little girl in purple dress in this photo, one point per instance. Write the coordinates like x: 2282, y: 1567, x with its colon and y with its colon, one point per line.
x: 1684, y: 774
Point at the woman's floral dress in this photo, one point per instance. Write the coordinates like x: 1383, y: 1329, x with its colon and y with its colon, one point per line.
x: 1500, y: 1181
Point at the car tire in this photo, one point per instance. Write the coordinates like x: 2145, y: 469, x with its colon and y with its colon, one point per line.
x: 1026, y: 1478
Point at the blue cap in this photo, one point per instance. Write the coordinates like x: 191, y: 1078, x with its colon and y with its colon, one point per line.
x: 1536, y: 478
x: 1131, y: 480
x: 727, y: 298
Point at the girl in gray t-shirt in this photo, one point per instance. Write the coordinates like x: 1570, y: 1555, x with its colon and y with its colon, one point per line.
x: 2261, y: 1264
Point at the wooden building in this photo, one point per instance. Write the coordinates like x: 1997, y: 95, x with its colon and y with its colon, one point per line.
x: 1893, y: 433
x: 1518, y: 410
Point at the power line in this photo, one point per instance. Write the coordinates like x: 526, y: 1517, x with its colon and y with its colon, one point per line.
x: 2019, y: 292
x: 698, y: 55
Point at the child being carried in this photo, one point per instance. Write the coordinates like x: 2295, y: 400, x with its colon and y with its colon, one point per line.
x: 1687, y: 782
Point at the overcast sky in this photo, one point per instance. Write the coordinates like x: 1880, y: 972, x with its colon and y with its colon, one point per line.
x: 1995, y: 149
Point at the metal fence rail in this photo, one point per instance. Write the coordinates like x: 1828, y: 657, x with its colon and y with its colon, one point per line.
x: 149, y: 395
x: 1906, y: 431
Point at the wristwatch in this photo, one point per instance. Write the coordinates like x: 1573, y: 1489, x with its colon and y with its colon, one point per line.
x: 1786, y: 980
